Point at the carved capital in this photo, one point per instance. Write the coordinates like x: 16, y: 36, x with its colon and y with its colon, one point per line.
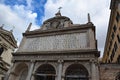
x: 60, y: 61
x: 32, y: 61
x: 94, y: 61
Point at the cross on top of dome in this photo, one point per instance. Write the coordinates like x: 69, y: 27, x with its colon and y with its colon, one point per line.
x: 58, y: 13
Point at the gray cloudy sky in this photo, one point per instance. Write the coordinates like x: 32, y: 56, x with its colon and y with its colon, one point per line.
x: 20, y: 13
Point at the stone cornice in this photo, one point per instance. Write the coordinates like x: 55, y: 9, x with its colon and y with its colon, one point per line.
x: 59, y: 31
x: 68, y: 52
x: 68, y: 56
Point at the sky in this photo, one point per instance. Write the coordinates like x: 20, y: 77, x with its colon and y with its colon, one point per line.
x: 17, y: 14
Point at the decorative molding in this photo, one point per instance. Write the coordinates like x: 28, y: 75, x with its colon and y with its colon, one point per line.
x: 60, y: 61
x: 54, y: 57
x: 72, y: 29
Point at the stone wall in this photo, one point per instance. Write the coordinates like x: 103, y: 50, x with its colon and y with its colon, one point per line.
x: 57, y: 42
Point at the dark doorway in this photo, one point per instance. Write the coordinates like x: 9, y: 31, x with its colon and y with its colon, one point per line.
x: 76, y: 72
x: 45, y: 72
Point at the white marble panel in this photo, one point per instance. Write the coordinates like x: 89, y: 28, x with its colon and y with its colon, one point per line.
x: 56, y: 42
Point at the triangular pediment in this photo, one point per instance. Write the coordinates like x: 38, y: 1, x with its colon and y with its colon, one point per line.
x: 8, y: 36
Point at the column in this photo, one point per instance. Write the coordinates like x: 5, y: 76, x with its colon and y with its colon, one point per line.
x: 59, y: 69
x: 30, y: 70
x: 97, y: 71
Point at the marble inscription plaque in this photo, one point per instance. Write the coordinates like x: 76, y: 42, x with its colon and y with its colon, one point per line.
x: 56, y: 42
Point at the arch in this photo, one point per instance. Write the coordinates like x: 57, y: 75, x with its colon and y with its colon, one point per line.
x: 118, y: 76
x: 76, y: 72
x: 23, y: 74
x: 45, y: 72
x: 21, y: 71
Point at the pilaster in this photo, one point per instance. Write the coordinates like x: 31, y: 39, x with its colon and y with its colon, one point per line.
x: 30, y: 70
x: 59, y: 70
x: 94, y: 70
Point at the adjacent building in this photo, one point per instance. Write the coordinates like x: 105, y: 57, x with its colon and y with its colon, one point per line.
x: 110, y: 66
x: 112, y: 45
x: 7, y: 46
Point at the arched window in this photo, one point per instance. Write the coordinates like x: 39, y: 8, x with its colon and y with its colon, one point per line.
x: 118, y: 76
x: 45, y: 72
x: 76, y: 72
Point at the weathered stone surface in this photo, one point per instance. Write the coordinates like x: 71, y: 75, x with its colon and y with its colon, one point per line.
x: 58, y: 42
x: 109, y: 71
x: 56, y: 50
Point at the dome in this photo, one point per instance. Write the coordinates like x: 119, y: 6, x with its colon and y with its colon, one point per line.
x: 57, y: 22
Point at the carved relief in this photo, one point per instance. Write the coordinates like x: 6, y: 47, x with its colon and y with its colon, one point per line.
x: 56, y: 23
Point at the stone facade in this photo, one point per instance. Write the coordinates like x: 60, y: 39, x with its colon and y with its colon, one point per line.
x: 59, y: 50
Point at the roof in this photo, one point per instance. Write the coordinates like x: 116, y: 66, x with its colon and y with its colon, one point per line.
x: 8, y: 36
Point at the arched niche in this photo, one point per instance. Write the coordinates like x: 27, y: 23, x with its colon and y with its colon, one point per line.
x: 45, y: 72
x: 21, y: 71
x: 76, y: 72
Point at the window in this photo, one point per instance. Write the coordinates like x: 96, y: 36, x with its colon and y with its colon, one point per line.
x: 118, y: 59
x: 1, y: 50
x: 114, y: 28
x: 107, y: 53
x: 112, y: 35
x: 45, y: 72
x: 110, y: 45
x: 115, y: 46
x: 109, y: 61
x: 112, y: 55
x: 118, y: 37
x: 76, y: 72
x: 117, y: 17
